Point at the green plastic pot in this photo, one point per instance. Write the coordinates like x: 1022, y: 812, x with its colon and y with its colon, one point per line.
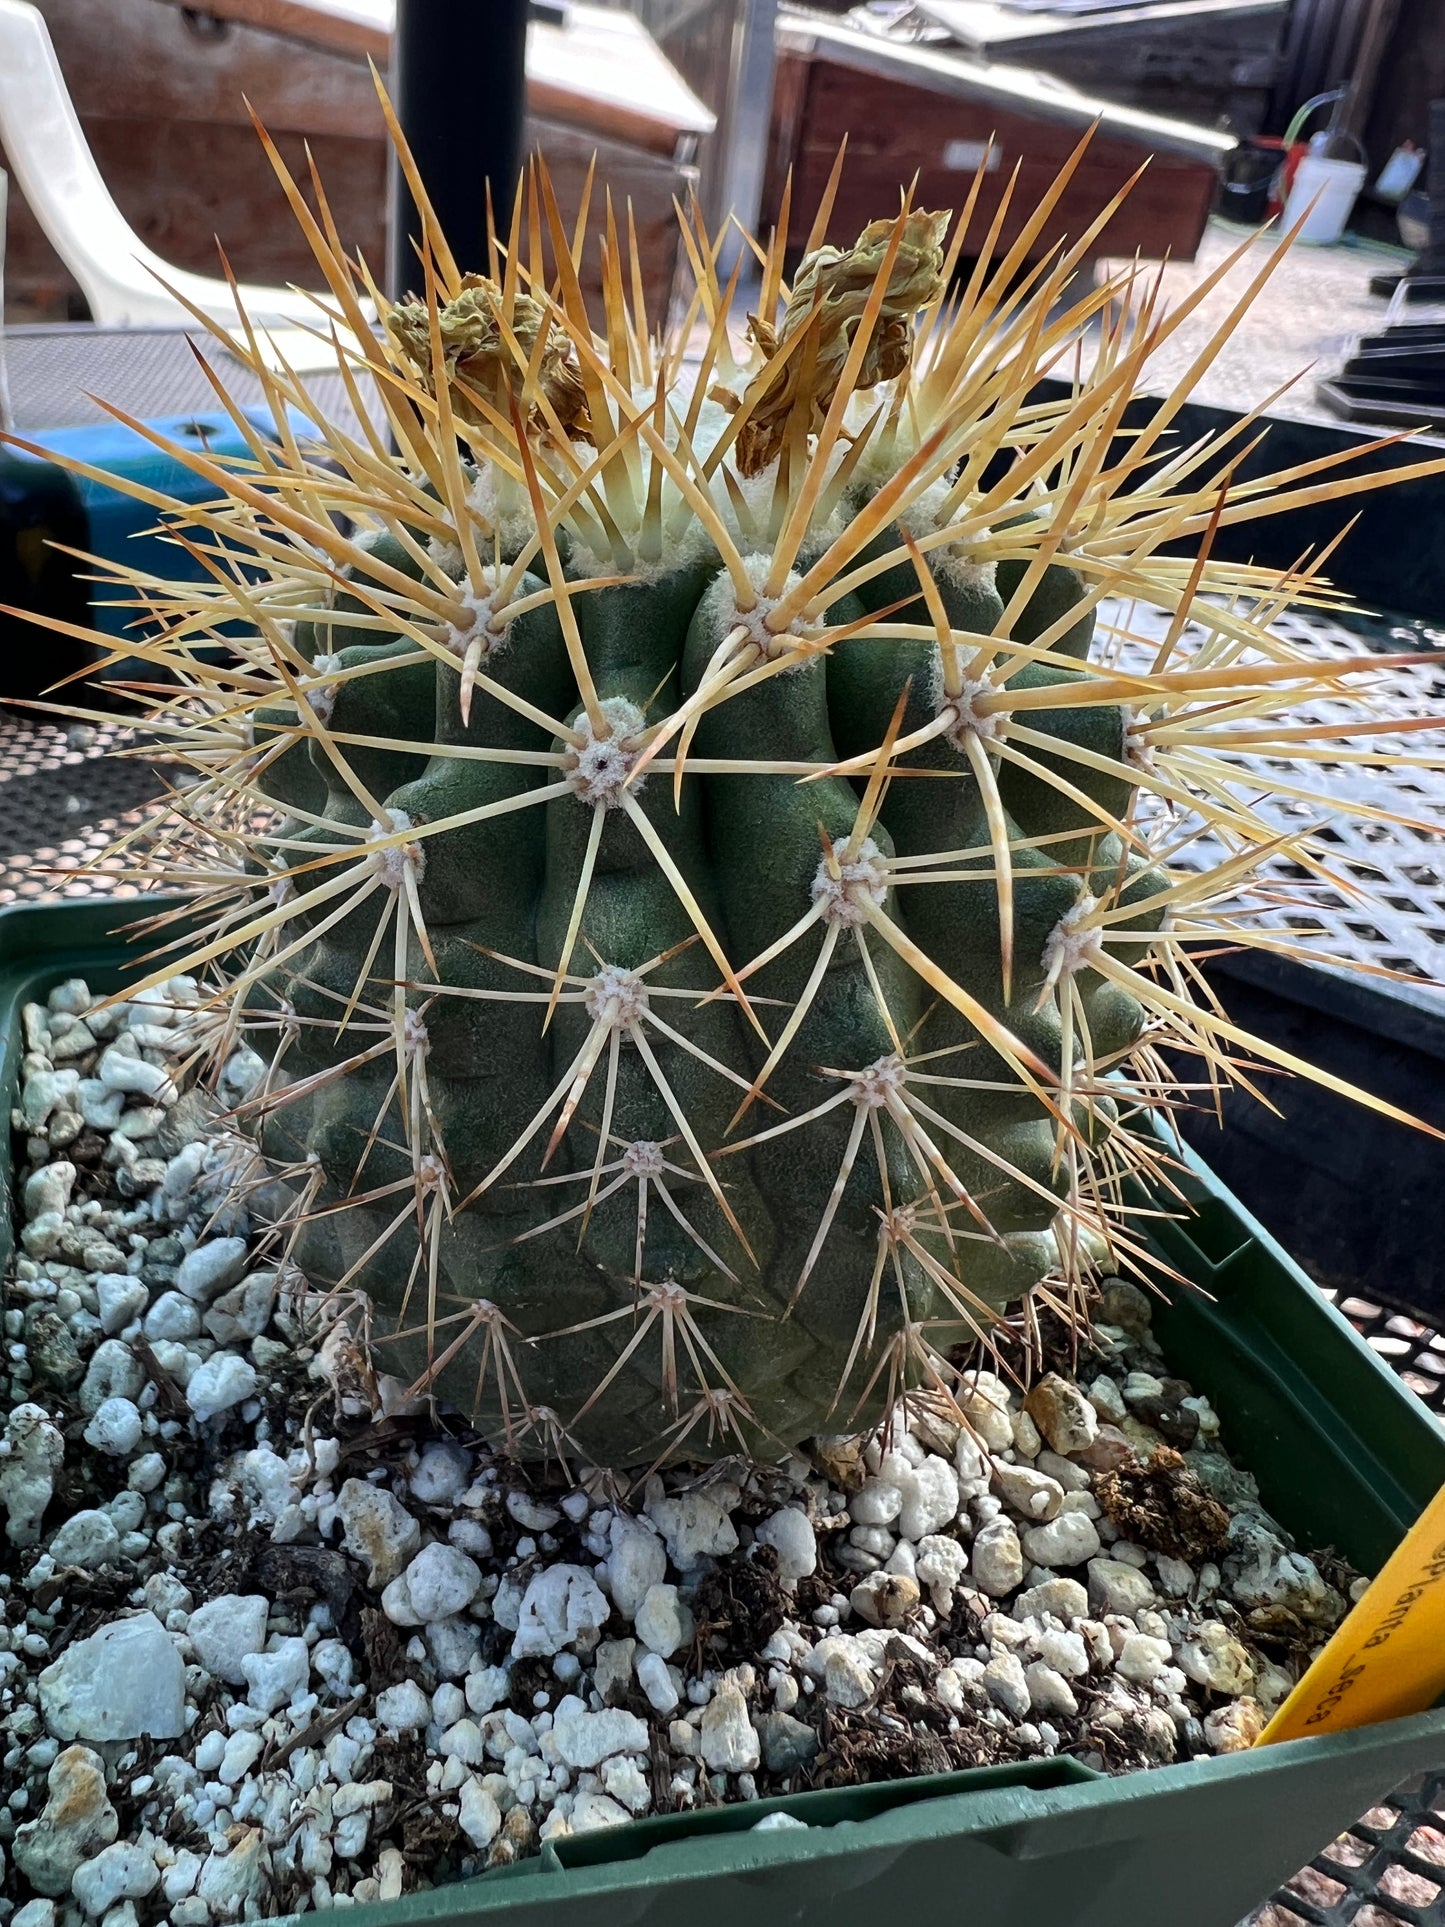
x: 1345, y: 1457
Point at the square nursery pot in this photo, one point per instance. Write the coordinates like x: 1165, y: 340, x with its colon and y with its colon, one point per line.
x: 1345, y: 1457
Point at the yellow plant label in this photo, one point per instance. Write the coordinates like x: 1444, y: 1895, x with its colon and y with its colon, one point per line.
x: 1388, y: 1657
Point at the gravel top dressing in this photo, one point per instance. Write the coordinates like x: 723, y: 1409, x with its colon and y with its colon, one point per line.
x: 275, y: 1637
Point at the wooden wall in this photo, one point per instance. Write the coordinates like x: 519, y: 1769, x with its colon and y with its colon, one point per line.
x: 158, y: 91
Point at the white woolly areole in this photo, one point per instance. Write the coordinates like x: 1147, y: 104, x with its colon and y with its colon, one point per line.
x: 1073, y: 944
x: 965, y: 718
x: 860, y: 885
x: 597, y: 768
x: 482, y: 630
x: 391, y: 864
x: 722, y: 615
x: 643, y: 1159
x: 616, y: 997
x: 414, y: 1038
x: 447, y: 555
x: 873, y: 1087
x: 323, y: 698
x: 503, y: 504
x: 953, y: 560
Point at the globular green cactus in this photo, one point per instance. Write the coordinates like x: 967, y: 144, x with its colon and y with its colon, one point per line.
x: 713, y: 927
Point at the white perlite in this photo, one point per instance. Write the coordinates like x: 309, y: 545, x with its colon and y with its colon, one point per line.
x: 440, y: 1581
x: 547, y: 1674
x: 227, y: 1630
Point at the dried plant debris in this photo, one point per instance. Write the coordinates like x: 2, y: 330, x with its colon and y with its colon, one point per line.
x: 266, y: 1646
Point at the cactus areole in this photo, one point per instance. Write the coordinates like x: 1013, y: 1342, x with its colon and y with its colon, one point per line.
x: 676, y: 827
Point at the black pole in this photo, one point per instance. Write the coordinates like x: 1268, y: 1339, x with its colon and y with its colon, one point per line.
x: 458, y: 72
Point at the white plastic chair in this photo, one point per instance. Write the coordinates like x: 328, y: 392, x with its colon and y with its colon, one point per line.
x: 52, y: 166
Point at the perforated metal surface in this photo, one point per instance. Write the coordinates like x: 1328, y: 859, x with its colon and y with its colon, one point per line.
x: 1400, y: 864
x: 52, y: 373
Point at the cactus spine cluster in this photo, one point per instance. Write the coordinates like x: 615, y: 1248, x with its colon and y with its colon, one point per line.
x: 670, y: 814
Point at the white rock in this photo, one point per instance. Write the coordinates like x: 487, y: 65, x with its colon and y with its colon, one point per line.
x: 1068, y: 1540
x: 562, y: 1606
x: 225, y: 1631
x: 930, y: 1498
x: 275, y: 1678
x: 663, y: 1621
x: 486, y: 1687
x: 87, y: 1539
x: 126, y: 1682
x: 47, y: 1091
x: 172, y: 1316
x: 464, y: 1741
x: 1033, y: 1493
x: 655, y: 1680
x: 134, y: 1076
x: 1213, y: 1657
x: 637, y: 1562
x: 983, y: 1400
x: 452, y: 1644
x: 118, y: 1872
x: 34, y: 1452
x: 585, y: 1740
x: 1049, y: 1691
x: 877, y: 1502
x: 113, y: 1372
x: 243, y: 1749
x: 114, y: 1428
x: 121, y: 1298
x: 438, y: 1582
x: 624, y: 1781
x: 146, y: 1473
x: 211, y: 1268
x: 593, y: 1810
x: 941, y: 1563
x: 403, y: 1708
x: 442, y: 1474
x: 996, y: 1562
x: 221, y: 1381
x: 1005, y: 1684
x: 1176, y: 1576
x: 1142, y: 1659
x: 243, y: 1312
x: 1117, y: 1587
x: 75, y: 1823
x: 48, y: 1189
x: 235, y: 1883
x: 848, y: 1676
x: 791, y: 1535
x: 1063, y: 1414
x: 698, y: 1524
x: 374, y: 1527
x: 1065, y: 1652
x: 1063, y: 1599
x: 35, y: 1913
x: 728, y: 1742
x: 478, y: 1815
x: 530, y: 1513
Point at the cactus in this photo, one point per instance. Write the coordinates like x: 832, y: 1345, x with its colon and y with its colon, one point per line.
x: 709, y: 925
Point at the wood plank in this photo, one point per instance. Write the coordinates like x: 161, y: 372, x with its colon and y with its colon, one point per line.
x: 897, y: 130
x: 601, y: 71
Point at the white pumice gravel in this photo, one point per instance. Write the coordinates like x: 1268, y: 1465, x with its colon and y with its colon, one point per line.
x: 256, y: 1658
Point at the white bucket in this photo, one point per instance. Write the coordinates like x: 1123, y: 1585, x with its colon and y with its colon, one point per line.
x: 1332, y: 186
